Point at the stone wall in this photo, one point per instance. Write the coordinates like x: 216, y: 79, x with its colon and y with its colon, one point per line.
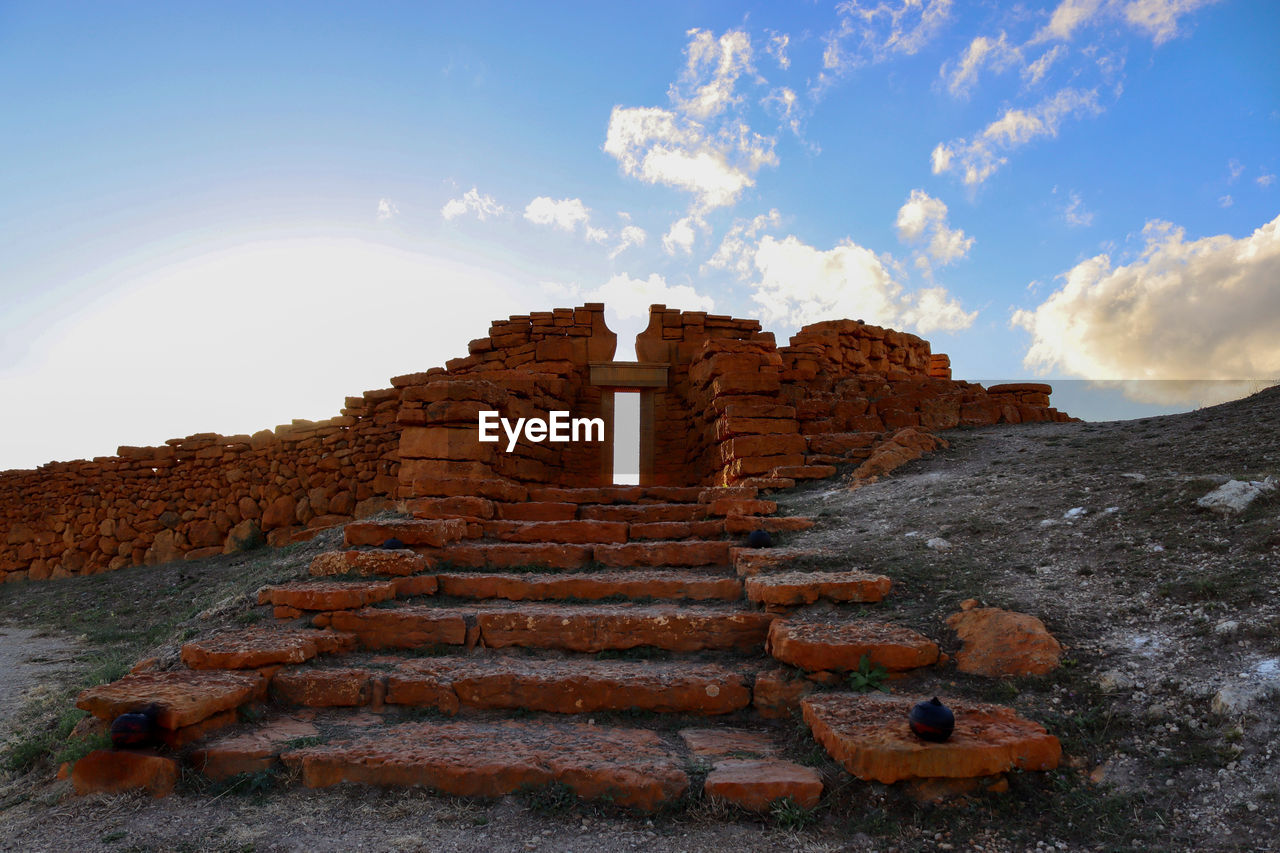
x: 200, y: 495
x: 735, y: 408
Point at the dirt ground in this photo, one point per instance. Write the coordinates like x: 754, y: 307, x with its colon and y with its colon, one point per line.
x: 1166, y: 703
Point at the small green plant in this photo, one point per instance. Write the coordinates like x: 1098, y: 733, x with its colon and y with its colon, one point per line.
x: 552, y: 799
x: 866, y: 677
x: 790, y: 815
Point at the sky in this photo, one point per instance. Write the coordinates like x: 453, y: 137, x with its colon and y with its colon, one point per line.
x: 220, y: 217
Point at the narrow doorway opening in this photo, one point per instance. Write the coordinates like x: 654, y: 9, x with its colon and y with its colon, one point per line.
x: 626, y: 438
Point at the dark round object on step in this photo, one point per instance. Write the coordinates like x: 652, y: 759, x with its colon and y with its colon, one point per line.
x: 136, y: 729
x: 759, y: 539
x: 932, y: 721
x: 393, y: 543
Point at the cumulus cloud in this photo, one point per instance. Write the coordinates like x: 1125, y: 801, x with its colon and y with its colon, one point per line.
x: 872, y: 32
x: 472, y: 202
x: 386, y: 209
x: 631, y: 297
x: 996, y: 54
x: 802, y: 284
x: 682, y: 235
x: 702, y: 145
x: 736, y: 253
x: 922, y: 219
x: 712, y: 68
x: 631, y: 235
x: 566, y: 214
x: 1266, y: 180
x: 979, y: 158
x: 1207, y: 309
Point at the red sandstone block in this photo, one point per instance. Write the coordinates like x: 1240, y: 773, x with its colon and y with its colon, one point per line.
x: 438, y: 442
x: 804, y: 472
x: 429, y: 532
x: 744, y: 383
x: 109, y: 771
x: 761, y: 445
x: 459, y: 506
x: 728, y: 427
x: 756, y: 784
x: 757, y: 465
x: 676, y: 530
x: 664, y: 554
x: 566, y: 532
x: 537, y: 511
x: 735, y: 525
x: 644, y: 513
x: 322, y: 687
x: 739, y: 506
x: 516, y: 554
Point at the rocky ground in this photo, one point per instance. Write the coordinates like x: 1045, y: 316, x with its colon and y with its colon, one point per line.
x: 1166, y: 702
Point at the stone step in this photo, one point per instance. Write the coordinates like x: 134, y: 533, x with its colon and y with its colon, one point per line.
x: 660, y: 584
x: 616, y: 494
x: 507, y: 555
x: 538, y: 511
x: 804, y: 472
x: 838, y: 644
x: 575, y: 628
x: 258, y: 647
x: 507, y: 682
x: 735, y: 525
x: 868, y: 735
x: 425, y: 532
x: 644, y: 513
x: 398, y: 562
x: 709, y: 529
x: 627, y: 766
x: 664, y: 553
x: 793, y: 588
x: 577, y: 532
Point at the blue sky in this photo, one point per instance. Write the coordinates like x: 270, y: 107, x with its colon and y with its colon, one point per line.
x: 218, y: 217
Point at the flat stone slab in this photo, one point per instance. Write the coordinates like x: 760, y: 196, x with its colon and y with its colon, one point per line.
x: 595, y: 628
x: 663, y: 553
x: 569, y: 686
x: 756, y: 784
x: 725, y: 742
x: 815, y: 645
x: 407, y: 627
x: 507, y: 555
x: 398, y: 562
x: 186, y: 697
x: 250, y: 751
x: 262, y: 647
x: 109, y: 771
x: 323, y: 687
x: 327, y: 595
x: 631, y: 767
x: 868, y: 734
x: 433, y: 532
x: 1000, y: 643
x: 670, y: 585
x: 792, y: 588
x: 748, y: 562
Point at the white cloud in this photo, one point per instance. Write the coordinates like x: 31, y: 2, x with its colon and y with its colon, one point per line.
x: 681, y: 236
x: 980, y: 158
x: 482, y: 206
x: 631, y: 297
x: 659, y: 147
x: 1236, y: 168
x: 1159, y: 18
x: 997, y: 54
x: 1033, y: 73
x: 784, y: 103
x: 777, y: 48
x: 802, y: 284
x: 711, y: 73
x: 1066, y: 19
x: 703, y: 145
x: 1206, y: 309
x: 736, y: 253
x: 871, y: 33
x: 1075, y: 214
x: 923, y: 219
x: 566, y: 214
x: 386, y: 209
x: 1225, y: 201
x: 631, y: 235
x: 1265, y: 180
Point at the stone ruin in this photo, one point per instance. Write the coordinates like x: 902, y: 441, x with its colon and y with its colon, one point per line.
x: 720, y: 404
x: 527, y: 594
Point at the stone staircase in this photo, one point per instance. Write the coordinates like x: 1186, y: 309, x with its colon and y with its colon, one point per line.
x: 514, y: 644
